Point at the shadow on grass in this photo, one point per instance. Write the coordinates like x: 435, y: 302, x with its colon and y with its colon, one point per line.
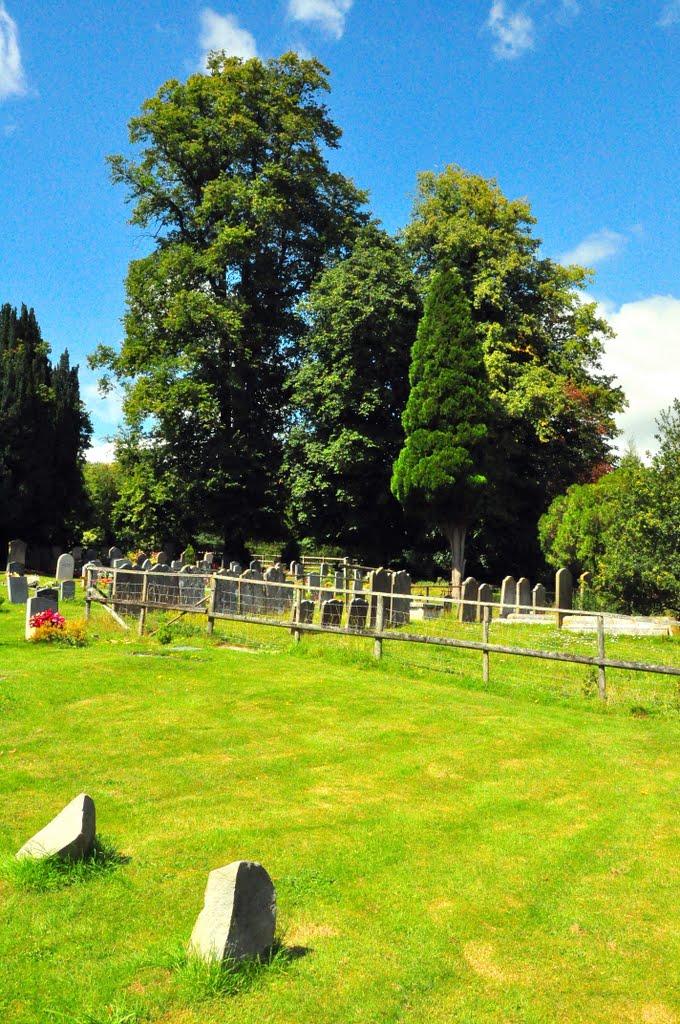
x: 199, y: 980
x: 48, y: 874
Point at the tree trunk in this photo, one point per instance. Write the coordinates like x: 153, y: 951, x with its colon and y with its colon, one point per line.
x: 455, y: 534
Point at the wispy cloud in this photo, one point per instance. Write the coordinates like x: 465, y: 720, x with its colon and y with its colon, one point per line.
x: 597, y: 247
x: 328, y: 15
x: 12, y: 80
x: 640, y: 355
x: 223, y: 32
x: 102, y: 452
x: 670, y: 15
x: 513, y: 31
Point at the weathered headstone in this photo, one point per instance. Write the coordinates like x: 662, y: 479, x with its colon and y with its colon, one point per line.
x: 36, y: 605
x: 70, y: 835
x: 50, y: 594
x: 251, y: 593
x: 523, y: 598
x: 358, y: 613
x: 17, y: 568
x: 484, y: 598
x: 192, y: 589
x: 297, y: 570
x: 121, y: 563
x: 564, y: 592
x: 379, y: 582
x: 508, y: 596
x: 469, y: 593
x: 16, y: 551
x: 238, y: 918
x: 314, y: 582
x: 236, y: 568
x: 331, y: 612
x: 127, y: 585
x: 276, y: 596
x: 325, y: 570
x: 255, y: 565
x: 65, y: 566
x: 17, y: 589
x: 400, y: 612
x: 209, y: 557
x: 306, y: 612
x: 176, y: 565
x: 163, y: 586
x: 538, y: 598
x: 113, y: 554
x: 92, y: 555
x: 67, y: 590
x: 147, y: 565
x: 339, y: 581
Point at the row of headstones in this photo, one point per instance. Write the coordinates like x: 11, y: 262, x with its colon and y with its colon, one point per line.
x: 517, y: 596
x: 18, y: 591
x: 238, y: 919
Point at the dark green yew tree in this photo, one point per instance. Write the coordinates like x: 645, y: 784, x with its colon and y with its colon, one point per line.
x: 234, y: 185
x: 551, y: 419
x: 439, y: 475
x: 349, y: 392
x: 44, y: 434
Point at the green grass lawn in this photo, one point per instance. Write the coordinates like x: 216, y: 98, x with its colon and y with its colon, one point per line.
x: 442, y: 852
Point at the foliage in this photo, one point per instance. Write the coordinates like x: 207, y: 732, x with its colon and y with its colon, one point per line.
x: 52, y: 628
x: 45, y: 433
x: 103, y: 483
x: 234, y: 184
x: 439, y: 474
x: 349, y: 392
x: 50, y: 619
x: 552, y: 408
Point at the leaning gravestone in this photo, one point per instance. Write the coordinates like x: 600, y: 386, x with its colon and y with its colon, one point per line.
x: 67, y: 590
x: 65, y: 567
x: 469, y: 594
x: 331, y: 612
x: 70, y: 835
x: 17, y: 551
x: 238, y: 918
x: 400, y: 612
x: 508, y: 596
x: 17, y: 589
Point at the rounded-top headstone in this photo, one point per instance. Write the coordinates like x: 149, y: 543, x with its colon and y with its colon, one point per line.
x: 238, y: 918
x: 70, y: 835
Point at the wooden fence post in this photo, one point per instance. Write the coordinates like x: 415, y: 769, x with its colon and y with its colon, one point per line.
x: 379, y: 620
x: 142, y: 610
x: 297, y: 611
x: 485, y: 638
x: 88, y: 595
x: 601, y: 671
x: 211, y: 605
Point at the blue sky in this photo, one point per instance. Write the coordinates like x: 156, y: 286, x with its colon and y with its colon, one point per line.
x: 574, y: 104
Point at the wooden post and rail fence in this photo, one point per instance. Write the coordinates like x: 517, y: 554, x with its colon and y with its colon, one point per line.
x: 379, y: 634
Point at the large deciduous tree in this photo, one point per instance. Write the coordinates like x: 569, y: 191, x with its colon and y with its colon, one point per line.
x: 349, y: 392
x: 45, y: 433
x: 439, y: 474
x: 234, y: 184
x: 552, y: 410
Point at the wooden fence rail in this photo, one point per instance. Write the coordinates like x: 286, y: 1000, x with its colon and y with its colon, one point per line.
x: 378, y: 634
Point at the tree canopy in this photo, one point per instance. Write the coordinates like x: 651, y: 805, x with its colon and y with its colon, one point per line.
x: 349, y: 392
x: 234, y: 184
x: 45, y: 433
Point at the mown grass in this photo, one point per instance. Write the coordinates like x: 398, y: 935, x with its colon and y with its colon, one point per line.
x: 441, y: 851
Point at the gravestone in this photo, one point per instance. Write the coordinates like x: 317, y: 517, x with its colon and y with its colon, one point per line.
x: 16, y: 551
x: 16, y: 567
x: 238, y: 918
x: 113, y: 554
x: 236, y: 568
x: 127, y: 585
x: 121, y: 563
x: 36, y: 605
x: 564, y: 592
x: 484, y: 597
x: 251, y: 593
x: 163, y: 586
x: 379, y: 582
x: 192, y: 588
x: 147, y: 565
x: 65, y: 567
x: 400, y: 611
x: 276, y: 596
x: 226, y: 592
x: 67, y: 590
x: 92, y: 555
x: 297, y: 570
x: 325, y: 570
x: 69, y: 836
x: 77, y: 553
x: 141, y: 559
x: 508, y: 596
x: 538, y: 598
x: 358, y: 613
x: 209, y: 557
x: 255, y: 565
x: 432, y: 612
x: 339, y: 581
x: 17, y: 589
x: 306, y: 612
x: 314, y: 582
x: 176, y: 565
x: 162, y: 558
x: 469, y: 592
x: 50, y: 594
x: 523, y: 604
x: 331, y: 612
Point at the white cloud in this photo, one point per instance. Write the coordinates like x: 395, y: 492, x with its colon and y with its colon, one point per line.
x: 223, y: 32
x: 12, y: 81
x: 644, y: 358
x: 100, y: 452
x: 513, y: 31
x: 597, y: 247
x: 328, y: 15
x: 670, y: 14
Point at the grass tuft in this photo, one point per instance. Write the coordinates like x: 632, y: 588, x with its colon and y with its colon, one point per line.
x: 49, y: 874
x: 200, y: 980
x: 116, y: 1013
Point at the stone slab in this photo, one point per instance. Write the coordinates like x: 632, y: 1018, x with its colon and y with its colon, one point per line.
x: 70, y: 835
x: 238, y: 918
